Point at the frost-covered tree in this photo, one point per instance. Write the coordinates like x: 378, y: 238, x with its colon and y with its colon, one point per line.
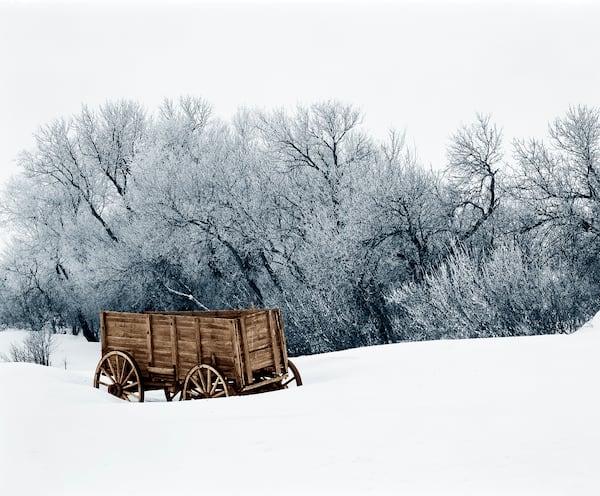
x: 301, y: 209
x: 559, y: 181
x: 324, y: 159
x: 408, y: 209
x: 474, y: 160
x: 70, y: 202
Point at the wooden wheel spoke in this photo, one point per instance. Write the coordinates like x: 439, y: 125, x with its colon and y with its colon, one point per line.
x: 204, y: 387
x: 131, y: 371
x: 198, y: 386
x: 204, y: 381
x: 119, y: 373
x: 208, y: 382
x: 132, y: 394
x: 122, y: 373
x: 107, y: 374
x: 118, y: 369
x: 112, y: 370
x: 214, y: 387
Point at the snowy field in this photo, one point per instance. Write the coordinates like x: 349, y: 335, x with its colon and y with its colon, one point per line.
x: 509, y: 416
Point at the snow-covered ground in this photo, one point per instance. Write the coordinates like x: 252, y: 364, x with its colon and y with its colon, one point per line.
x: 510, y: 416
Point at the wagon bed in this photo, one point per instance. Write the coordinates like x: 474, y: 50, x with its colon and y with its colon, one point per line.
x: 197, y: 354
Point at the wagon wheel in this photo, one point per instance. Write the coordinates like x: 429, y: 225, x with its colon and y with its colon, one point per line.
x: 293, y: 375
x: 204, y: 381
x: 119, y: 375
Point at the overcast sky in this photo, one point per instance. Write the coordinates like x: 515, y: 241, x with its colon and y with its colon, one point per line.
x: 424, y: 67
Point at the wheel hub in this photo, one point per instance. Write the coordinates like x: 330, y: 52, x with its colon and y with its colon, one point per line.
x: 115, y: 389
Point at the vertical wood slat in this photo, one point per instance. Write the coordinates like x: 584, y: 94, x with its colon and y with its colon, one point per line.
x: 245, y: 350
x: 282, y: 334
x: 149, y: 339
x: 284, y: 354
x: 174, y: 343
x: 274, y: 347
x: 198, y: 339
x: 237, y: 354
x: 103, y: 337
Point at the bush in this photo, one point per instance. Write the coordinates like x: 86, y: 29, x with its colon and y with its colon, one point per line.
x: 37, y: 348
x: 502, y: 295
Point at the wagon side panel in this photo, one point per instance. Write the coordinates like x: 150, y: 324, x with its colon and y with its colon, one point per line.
x: 219, y: 346
x: 188, y: 344
x: 161, y: 343
x: 263, y: 342
x: 126, y: 332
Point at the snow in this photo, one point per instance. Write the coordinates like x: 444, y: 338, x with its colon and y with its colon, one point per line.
x: 515, y: 416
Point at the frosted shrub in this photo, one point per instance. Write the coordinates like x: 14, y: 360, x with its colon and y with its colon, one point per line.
x: 37, y: 348
x: 502, y: 295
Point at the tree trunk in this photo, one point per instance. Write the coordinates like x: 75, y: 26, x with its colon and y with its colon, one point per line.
x: 88, y: 333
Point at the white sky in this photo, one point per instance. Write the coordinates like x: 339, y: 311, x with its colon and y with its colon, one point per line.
x: 425, y: 67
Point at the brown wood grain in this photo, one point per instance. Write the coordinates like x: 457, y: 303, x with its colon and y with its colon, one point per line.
x: 103, y: 331
x: 238, y: 342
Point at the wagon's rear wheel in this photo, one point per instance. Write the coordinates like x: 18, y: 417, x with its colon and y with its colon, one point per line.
x: 293, y: 376
x: 119, y: 375
x: 204, y: 381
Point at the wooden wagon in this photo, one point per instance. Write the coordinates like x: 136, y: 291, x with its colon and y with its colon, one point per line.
x: 198, y: 354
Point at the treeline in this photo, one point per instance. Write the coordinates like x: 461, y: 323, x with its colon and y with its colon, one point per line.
x: 353, y: 238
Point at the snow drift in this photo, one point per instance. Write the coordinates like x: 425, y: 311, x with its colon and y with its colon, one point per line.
x: 490, y: 416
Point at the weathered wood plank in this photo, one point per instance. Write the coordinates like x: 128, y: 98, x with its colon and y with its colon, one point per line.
x: 174, y: 342
x: 186, y: 333
x: 149, y: 338
x: 228, y: 314
x: 162, y: 356
x: 126, y: 330
x: 161, y: 331
x: 124, y: 315
x: 189, y: 355
x: 258, y: 341
x: 282, y: 343
x: 244, y: 340
x: 161, y: 370
x: 124, y: 323
x: 275, y: 348
x: 134, y: 343
x: 262, y: 359
x: 237, y: 355
x: 103, y: 331
x: 218, y: 349
x: 184, y: 321
x: 198, y: 339
x: 216, y: 323
x: 260, y: 384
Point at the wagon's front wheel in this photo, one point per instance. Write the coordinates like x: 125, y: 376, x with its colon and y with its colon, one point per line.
x: 293, y: 376
x: 119, y: 375
x: 204, y: 381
